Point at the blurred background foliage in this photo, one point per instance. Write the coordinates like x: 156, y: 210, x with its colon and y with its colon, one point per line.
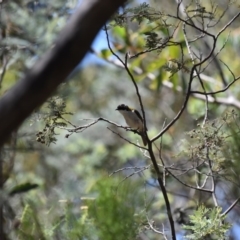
x: 92, y: 184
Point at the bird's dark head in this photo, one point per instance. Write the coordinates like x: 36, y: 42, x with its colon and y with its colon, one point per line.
x: 123, y: 107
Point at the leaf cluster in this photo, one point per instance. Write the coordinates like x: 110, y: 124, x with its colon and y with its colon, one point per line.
x: 208, y: 143
x: 175, y: 65
x: 200, y: 11
x: 139, y: 14
x: 53, y: 119
x: 152, y: 39
x: 207, y: 223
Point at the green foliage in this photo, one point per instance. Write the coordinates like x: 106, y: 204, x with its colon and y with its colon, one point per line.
x: 152, y: 39
x: 211, y: 141
x: 207, y: 223
x: 114, y: 211
x: 30, y: 227
x: 200, y: 11
x: 75, y: 224
x: 139, y: 13
x: 154, y: 32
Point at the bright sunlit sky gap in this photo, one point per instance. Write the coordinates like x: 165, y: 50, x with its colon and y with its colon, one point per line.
x: 99, y: 44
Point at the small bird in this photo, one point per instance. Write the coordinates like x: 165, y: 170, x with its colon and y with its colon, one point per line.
x: 134, y: 120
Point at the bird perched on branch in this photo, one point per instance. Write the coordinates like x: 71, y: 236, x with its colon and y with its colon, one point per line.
x: 134, y: 120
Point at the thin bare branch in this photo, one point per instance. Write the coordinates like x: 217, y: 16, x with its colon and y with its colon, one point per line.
x: 231, y: 207
x: 228, y: 24
x: 189, y: 186
x: 134, y: 144
x: 128, y: 168
x: 132, y: 174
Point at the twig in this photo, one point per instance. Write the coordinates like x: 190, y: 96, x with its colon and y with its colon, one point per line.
x: 154, y: 229
x: 84, y: 127
x: 219, y: 91
x: 76, y: 129
x: 67, y: 121
x: 131, y: 174
x: 134, y: 144
x: 231, y: 207
x: 189, y: 186
x: 151, y: 49
x: 228, y: 24
x: 127, y: 168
